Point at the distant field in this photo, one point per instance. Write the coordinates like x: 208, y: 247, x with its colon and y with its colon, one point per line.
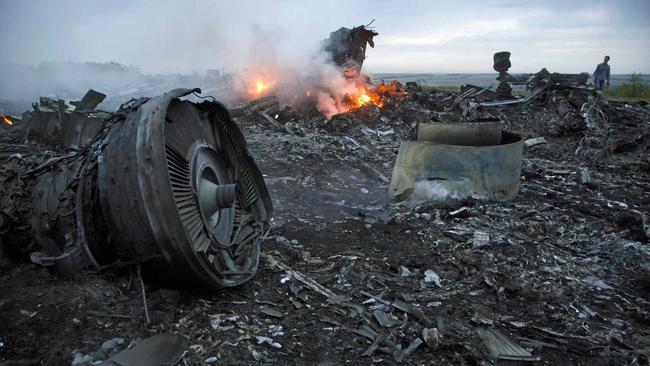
x: 484, y: 80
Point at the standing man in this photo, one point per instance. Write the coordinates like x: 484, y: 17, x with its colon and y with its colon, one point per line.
x: 602, y: 74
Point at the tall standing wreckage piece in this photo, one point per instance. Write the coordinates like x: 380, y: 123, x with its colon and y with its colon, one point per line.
x: 163, y: 182
x: 502, y: 65
x: 347, y: 48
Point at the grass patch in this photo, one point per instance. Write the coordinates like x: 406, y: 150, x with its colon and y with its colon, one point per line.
x: 634, y: 90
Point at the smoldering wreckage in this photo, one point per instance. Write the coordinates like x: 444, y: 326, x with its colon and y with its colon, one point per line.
x: 513, y: 230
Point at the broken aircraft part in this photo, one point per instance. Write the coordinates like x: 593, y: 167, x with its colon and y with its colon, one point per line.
x: 501, y: 65
x: 165, y: 182
x: 347, y: 48
x: 458, y: 170
x: 479, y: 133
x: 557, y: 80
x: 159, y: 349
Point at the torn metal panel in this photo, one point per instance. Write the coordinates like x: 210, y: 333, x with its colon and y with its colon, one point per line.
x: 89, y: 102
x: 501, y: 347
x: 479, y: 133
x: 159, y: 349
x: 486, y: 172
x: 78, y: 129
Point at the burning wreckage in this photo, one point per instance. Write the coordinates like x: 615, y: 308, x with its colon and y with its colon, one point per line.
x: 508, y: 229
x: 347, y: 48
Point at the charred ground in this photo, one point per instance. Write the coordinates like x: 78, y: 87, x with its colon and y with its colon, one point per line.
x: 562, y: 270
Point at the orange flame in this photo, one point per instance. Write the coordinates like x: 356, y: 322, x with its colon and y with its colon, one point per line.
x: 376, y: 94
x: 393, y: 88
x: 7, y: 121
x: 260, y: 86
x: 363, y: 96
x: 363, y: 99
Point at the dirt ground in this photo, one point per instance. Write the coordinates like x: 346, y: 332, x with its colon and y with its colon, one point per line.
x: 563, y: 270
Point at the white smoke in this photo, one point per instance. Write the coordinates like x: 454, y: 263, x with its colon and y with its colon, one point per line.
x: 441, y: 190
x: 144, y: 48
x: 332, y: 87
x: 317, y: 79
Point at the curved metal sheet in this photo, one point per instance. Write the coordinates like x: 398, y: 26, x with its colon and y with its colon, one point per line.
x: 480, y: 133
x: 488, y: 172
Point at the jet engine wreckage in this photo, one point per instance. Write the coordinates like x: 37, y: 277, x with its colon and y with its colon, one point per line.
x: 164, y: 182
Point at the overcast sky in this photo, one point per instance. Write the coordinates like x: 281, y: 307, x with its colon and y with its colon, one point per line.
x: 414, y: 36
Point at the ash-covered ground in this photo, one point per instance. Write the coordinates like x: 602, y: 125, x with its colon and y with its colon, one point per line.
x: 562, y: 271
